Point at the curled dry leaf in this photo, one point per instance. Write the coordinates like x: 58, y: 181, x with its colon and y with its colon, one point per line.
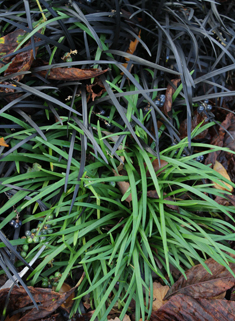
x: 201, y: 284
x: 219, y: 168
x: 182, y: 307
x: 22, y: 61
x: 68, y: 303
x: 96, y: 89
x: 169, y: 93
x: 159, y: 292
x: 132, y: 48
x: 123, y: 186
x: 3, y: 143
x: 49, y: 300
x: 72, y: 74
x: 9, y: 43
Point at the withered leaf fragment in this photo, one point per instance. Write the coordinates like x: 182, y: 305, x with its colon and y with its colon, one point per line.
x: 9, y: 43
x: 3, y: 143
x: 21, y: 62
x: 49, y: 300
x: 182, y: 307
x: 201, y: 284
x: 219, y: 168
x: 169, y: 93
x: 72, y: 74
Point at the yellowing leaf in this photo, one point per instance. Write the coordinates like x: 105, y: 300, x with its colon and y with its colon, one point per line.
x: 3, y: 143
x: 159, y: 292
x: 219, y: 168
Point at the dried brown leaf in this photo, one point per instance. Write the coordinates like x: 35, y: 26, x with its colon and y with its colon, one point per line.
x: 219, y: 168
x: 72, y: 74
x: 159, y: 292
x: 9, y: 43
x: 169, y: 93
x: 201, y: 284
x: 182, y: 307
x: 96, y: 89
x: 49, y: 300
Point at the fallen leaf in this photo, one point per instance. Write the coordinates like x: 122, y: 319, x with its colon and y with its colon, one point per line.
x: 156, y: 166
x: 220, y: 296
x: 133, y: 45
x: 68, y: 303
x: 71, y: 74
x: 132, y: 48
x: 3, y: 143
x: 123, y: 186
x: 159, y: 292
x: 201, y: 284
x: 219, y: 168
x: 49, y: 300
x: 182, y: 307
x: 9, y: 43
x: 22, y: 61
x: 169, y: 93
x: 96, y: 89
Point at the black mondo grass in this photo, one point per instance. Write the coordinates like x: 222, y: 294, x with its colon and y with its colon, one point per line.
x: 73, y: 143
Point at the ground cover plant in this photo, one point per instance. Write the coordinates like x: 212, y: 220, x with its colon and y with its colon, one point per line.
x: 117, y: 150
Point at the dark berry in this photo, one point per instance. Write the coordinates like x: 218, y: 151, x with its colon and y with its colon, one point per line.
x: 206, y: 101
x: 20, y: 223
x: 209, y: 107
x: 102, y: 112
x: 16, y: 225
x: 200, y: 108
x: 157, y: 102
x: 12, y: 222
